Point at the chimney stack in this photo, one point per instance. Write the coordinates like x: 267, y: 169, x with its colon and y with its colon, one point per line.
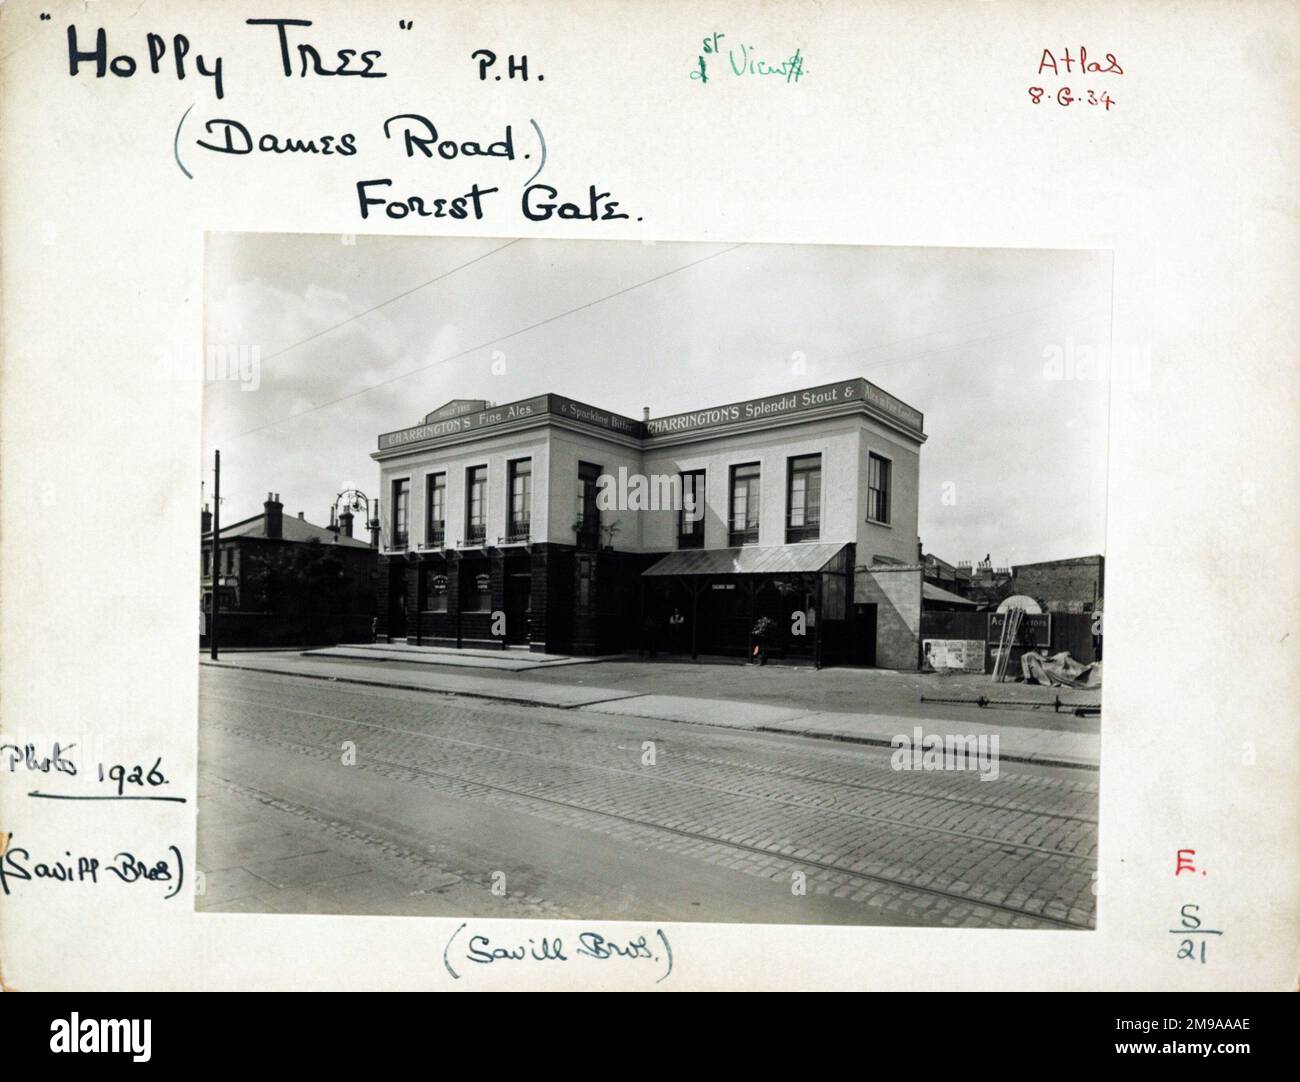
x: 345, y: 521
x: 645, y: 413
x: 273, y: 523
x: 207, y: 519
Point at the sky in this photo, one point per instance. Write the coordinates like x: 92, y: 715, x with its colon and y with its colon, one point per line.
x: 342, y: 338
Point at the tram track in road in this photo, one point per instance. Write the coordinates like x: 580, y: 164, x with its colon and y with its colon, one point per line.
x: 1082, y: 792
x: 659, y: 778
x: 514, y: 793
x: 791, y: 775
x: 1011, y: 866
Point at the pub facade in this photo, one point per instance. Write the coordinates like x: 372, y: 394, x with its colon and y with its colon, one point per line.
x: 551, y: 525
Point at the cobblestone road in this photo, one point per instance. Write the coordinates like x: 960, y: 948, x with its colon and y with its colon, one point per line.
x: 456, y: 805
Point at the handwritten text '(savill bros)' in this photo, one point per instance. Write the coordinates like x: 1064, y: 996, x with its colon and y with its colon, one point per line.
x: 19, y: 865
x: 466, y: 951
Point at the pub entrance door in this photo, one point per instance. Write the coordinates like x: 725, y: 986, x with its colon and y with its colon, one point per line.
x: 396, y: 602
x: 863, y: 648
x: 519, y: 593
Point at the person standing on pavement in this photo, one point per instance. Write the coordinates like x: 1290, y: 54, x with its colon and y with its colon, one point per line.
x: 676, y: 624
x: 762, y: 628
x: 650, y: 635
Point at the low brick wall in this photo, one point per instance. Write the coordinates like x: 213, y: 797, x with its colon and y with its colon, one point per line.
x: 268, y: 629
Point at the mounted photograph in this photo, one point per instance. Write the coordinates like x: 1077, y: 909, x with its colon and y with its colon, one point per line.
x: 653, y: 581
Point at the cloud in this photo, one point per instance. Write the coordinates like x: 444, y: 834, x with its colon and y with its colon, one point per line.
x: 959, y: 333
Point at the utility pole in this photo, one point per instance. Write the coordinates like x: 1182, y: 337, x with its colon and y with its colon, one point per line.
x: 216, y: 555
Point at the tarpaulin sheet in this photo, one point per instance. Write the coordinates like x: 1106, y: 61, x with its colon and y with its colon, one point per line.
x: 1060, y: 670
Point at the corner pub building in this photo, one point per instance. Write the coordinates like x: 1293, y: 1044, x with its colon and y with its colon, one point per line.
x: 504, y: 527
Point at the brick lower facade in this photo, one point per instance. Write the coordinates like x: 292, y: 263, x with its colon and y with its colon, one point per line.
x: 573, y: 601
x: 551, y: 598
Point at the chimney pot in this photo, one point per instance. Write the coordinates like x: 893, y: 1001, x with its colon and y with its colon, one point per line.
x: 645, y: 413
x: 273, y: 522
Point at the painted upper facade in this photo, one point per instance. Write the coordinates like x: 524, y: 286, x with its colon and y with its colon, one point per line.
x: 835, y: 463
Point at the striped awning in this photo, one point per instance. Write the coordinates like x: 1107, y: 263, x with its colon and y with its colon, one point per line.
x: 747, y: 560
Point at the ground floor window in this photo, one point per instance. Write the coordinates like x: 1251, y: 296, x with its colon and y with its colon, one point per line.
x: 229, y: 600
x: 475, y: 588
x: 435, y: 588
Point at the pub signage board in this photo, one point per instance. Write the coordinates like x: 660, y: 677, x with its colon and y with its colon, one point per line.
x: 1034, y: 626
x: 782, y: 405
x: 579, y: 411
x: 457, y: 407
x: 467, y: 415
x: 437, y: 426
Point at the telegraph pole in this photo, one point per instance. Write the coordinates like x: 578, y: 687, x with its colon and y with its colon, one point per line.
x: 216, y: 555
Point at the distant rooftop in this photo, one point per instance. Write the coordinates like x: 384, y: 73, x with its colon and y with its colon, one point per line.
x: 293, y: 528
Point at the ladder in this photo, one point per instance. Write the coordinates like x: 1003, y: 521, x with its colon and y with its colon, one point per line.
x: 1010, y: 632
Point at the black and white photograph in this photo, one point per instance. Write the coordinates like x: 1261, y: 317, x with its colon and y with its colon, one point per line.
x: 653, y: 581
x: 561, y: 496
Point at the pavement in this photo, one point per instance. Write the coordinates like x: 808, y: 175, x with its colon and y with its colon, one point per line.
x: 507, y: 660
x: 821, y: 704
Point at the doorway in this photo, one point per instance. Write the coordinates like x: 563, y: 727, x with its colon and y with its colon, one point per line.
x: 863, y: 648
x: 396, y: 602
x: 519, y: 605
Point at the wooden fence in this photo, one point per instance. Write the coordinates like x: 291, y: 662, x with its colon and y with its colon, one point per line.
x: 1070, y: 631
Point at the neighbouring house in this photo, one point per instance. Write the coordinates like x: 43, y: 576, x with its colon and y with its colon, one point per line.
x: 286, y: 581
